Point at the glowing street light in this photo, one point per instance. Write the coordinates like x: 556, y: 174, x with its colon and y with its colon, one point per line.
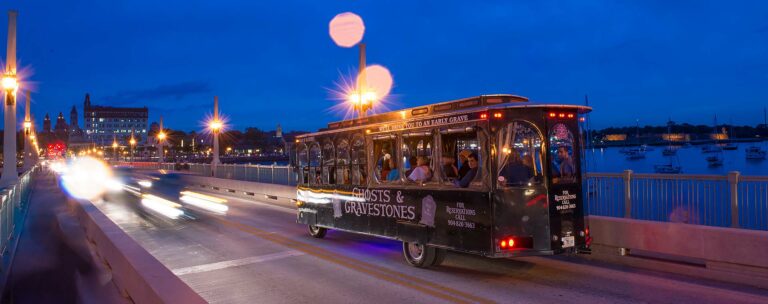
x: 216, y: 125
x: 10, y: 85
x: 132, y: 142
x: 114, y: 148
x: 160, y: 142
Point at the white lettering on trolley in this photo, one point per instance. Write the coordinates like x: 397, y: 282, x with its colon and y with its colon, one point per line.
x: 565, y: 201
x: 460, y: 214
x: 377, y: 203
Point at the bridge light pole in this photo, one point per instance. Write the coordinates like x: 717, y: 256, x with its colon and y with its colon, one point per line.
x: 10, y: 87
x: 160, y: 142
x: 132, y: 142
x: 216, y: 126
x: 28, y: 136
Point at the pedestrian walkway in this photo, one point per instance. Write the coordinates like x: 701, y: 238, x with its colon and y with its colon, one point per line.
x: 53, y: 262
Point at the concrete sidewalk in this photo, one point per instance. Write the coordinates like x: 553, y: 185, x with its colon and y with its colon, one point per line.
x: 54, y: 263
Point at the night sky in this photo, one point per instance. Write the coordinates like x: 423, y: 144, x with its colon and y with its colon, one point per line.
x: 274, y: 62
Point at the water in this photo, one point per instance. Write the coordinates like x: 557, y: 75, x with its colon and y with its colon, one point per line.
x: 692, y: 160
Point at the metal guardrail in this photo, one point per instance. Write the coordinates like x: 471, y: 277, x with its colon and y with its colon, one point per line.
x: 272, y: 174
x: 714, y: 200
x: 14, y: 201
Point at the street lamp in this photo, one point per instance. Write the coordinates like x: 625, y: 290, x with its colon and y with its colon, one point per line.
x: 114, y: 150
x: 132, y: 141
x: 216, y: 125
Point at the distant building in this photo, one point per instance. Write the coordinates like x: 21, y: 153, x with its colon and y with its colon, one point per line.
x: 676, y: 137
x: 615, y: 137
x: 61, y: 124
x: 105, y: 123
x: 47, y: 124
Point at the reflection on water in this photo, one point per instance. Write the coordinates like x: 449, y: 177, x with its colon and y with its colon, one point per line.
x: 692, y: 159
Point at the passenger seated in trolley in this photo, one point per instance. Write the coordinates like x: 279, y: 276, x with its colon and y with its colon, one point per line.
x: 515, y: 171
x: 394, y: 173
x: 463, y: 165
x: 422, y: 172
x: 449, y: 169
x: 474, y: 170
x: 563, y: 168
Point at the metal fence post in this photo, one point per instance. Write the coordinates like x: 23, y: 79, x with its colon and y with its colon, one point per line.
x: 733, y: 181
x: 273, y: 173
x: 627, y: 176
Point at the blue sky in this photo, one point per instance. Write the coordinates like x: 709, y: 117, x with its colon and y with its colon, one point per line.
x: 273, y: 62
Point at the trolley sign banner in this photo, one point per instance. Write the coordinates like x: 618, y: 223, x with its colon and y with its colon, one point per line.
x: 431, y: 122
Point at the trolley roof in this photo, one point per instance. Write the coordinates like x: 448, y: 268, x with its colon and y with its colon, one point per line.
x: 471, y: 104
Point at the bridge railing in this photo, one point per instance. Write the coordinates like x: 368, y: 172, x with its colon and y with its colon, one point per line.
x: 13, y: 204
x: 272, y: 174
x: 714, y: 200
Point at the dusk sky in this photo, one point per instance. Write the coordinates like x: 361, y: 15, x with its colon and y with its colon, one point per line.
x: 274, y: 62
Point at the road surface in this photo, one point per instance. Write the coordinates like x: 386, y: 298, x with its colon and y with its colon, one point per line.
x: 258, y: 254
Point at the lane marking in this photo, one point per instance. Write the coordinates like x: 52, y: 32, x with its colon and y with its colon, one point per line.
x: 404, y: 280
x: 235, y: 263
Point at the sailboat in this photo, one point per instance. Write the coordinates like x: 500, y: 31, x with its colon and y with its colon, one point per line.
x: 755, y: 153
x: 713, y: 148
x: 669, y: 150
x: 637, y: 152
x: 730, y: 145
x: 715, y: 160
x: 670, y: 168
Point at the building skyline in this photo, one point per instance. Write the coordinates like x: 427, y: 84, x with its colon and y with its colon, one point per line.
x: 104, y: 124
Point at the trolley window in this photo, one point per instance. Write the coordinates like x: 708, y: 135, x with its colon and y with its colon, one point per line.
x: 302, y: 160
x: 342, y: 163
x: 461, y: 157
x: 386, y: 159
x: 359, y: 170
x: 314, y: 164
x: 329, y: 160
x: 561, y: 155
x: 417, y: 150
x: 520, y: 157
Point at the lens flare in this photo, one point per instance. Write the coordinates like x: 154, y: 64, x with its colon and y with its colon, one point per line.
x: 379, y: 80
x: 346, y: 29
x: 87, y: 178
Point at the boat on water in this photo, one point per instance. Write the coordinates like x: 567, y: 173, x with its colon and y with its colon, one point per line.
x: 711, y: 149
x: 669, y: 151
x: 755, y: 153
x: 730, y: 146
x: 715, y: 160
x: 673, y: 167
x: 668, y: 169
x: 636, y: 153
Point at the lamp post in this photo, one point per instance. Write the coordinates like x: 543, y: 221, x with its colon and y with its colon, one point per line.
x: 132, y: 141
x: 215, y: 125
x: 28, y: 136
x: 160, y: 142
x: 114, y: 148
x: 10, y: 86
x: 362, y: 98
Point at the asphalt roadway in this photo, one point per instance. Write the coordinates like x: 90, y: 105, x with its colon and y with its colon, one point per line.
x: 257, y: 253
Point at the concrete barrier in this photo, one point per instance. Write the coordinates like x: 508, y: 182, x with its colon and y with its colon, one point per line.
x: 136, y: 272
x: 726, y: 254
x: 281, y: 194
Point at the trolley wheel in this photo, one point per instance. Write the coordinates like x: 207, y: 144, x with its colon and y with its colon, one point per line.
x: 419, y: 255
x: 318, y: 232
x: 440, y: 254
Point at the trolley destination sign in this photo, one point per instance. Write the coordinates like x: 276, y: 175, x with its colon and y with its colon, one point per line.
x: 430, y: 122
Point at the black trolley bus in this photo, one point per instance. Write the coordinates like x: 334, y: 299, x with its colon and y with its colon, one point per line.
x: 493, y: 175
